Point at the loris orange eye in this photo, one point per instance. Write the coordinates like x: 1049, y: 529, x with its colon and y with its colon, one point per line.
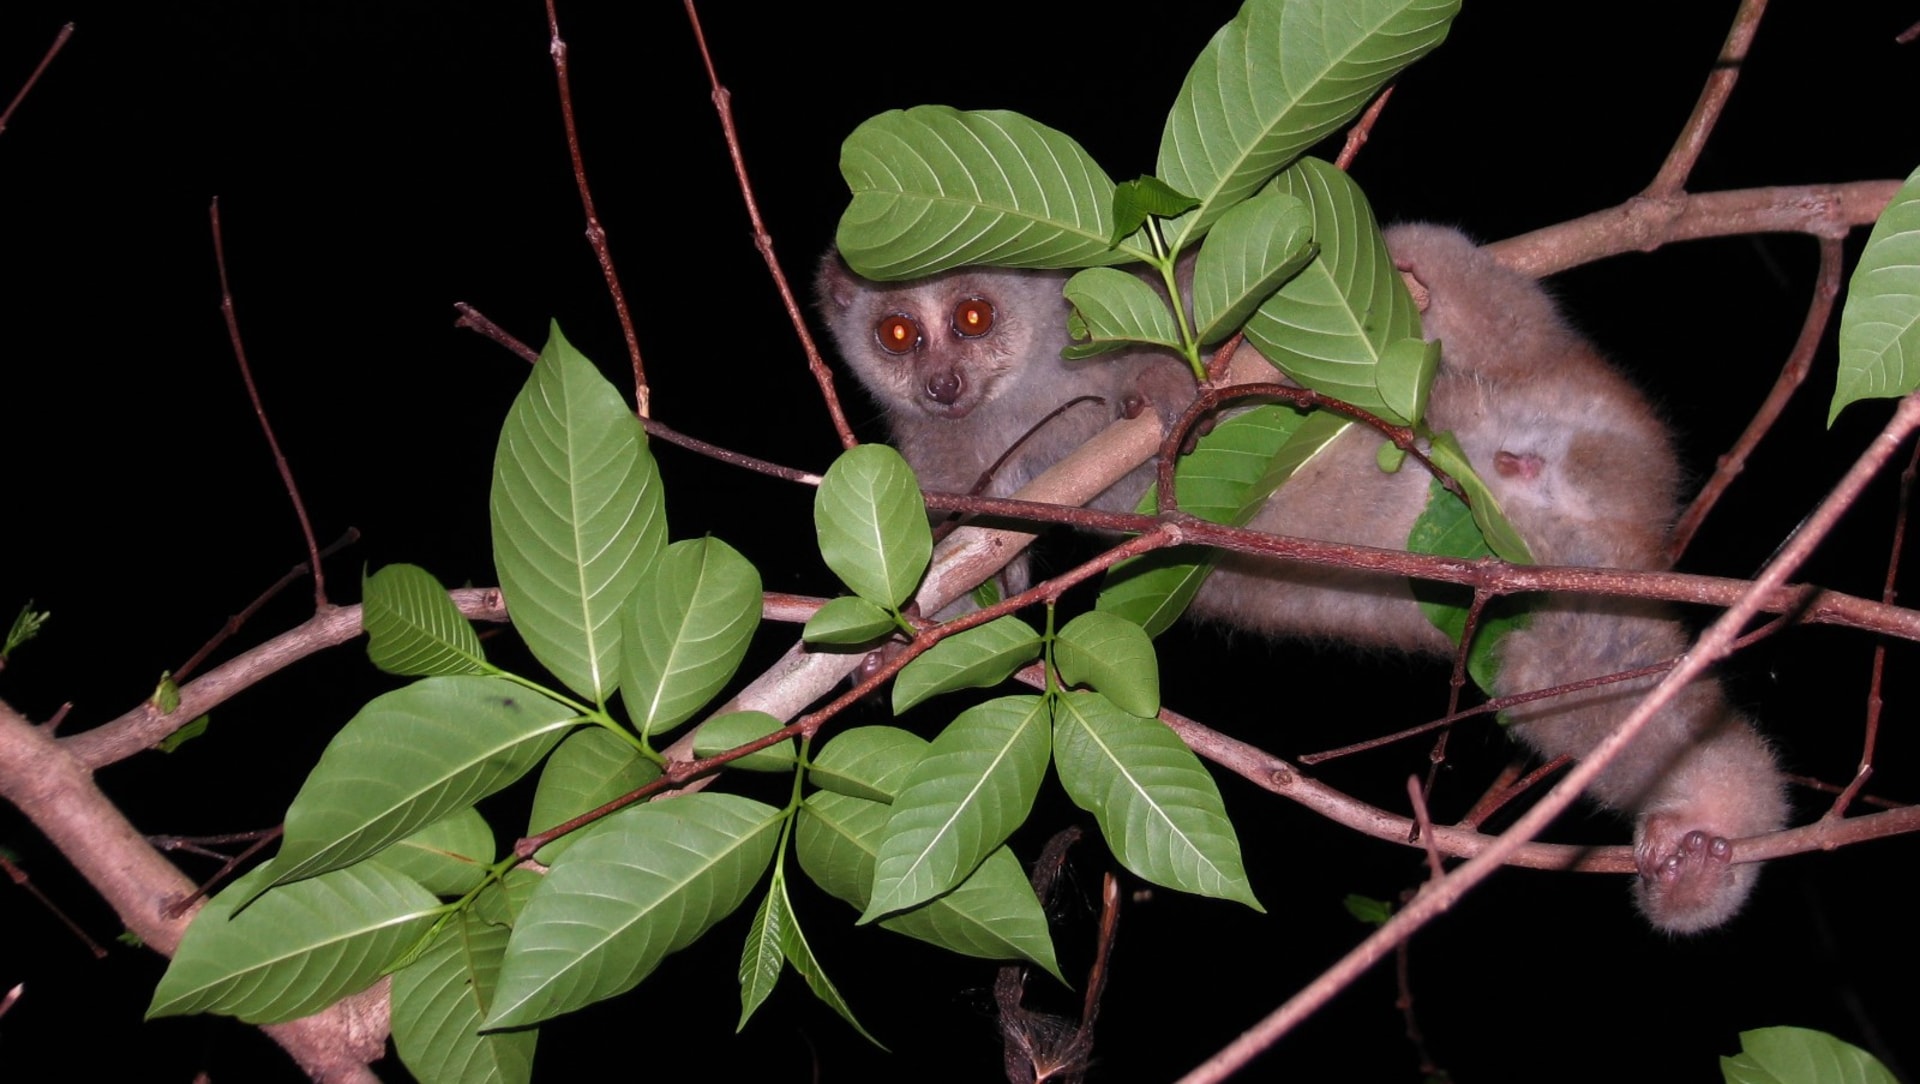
x: 973, y: 317
x: 897, y: 334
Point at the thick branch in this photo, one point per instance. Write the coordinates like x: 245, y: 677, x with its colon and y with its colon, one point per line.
x: 56, y: 791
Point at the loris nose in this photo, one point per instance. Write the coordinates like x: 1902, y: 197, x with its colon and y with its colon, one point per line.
x: 945, y: 388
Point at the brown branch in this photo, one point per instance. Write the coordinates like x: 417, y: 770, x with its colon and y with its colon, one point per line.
x: 320, y: 603
x: 1674, y: 172
x: 596, y: 233
x: 474, y: 320
x: 143, y: 727
x: 1711, y: 647
x: 59, y: 43
x: 1645, y: 223
x: 763, y: 240
x: 1792, y: 375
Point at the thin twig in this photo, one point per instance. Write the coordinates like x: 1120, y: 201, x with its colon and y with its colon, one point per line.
x: 1423, y: 827
x: 237, y: 621
x: 19, y: 877
x: 596, y: 233
x: 1439, y: 896
x: 1496, y: 798
x: 474, y: 320
x: 1792, y: 375
x: 1870, y: 739
x: 260, y: 411
x: 1357, y: 135
x: 1674, y: 172
x: 59, y: 42
x: 763, y: 240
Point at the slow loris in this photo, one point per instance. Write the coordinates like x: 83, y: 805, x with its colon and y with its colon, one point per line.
x: 965, y: 362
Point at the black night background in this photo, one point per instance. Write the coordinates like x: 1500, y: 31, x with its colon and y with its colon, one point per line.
x: 377, y: 162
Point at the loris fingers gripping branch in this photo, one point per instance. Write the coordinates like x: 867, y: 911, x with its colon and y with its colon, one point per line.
x: 965, y: 362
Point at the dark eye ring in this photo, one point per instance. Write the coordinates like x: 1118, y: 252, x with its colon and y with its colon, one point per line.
x: 973, y: 317
x: 897, y: 333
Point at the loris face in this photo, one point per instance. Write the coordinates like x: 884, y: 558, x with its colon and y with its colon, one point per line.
x: 946, y: 344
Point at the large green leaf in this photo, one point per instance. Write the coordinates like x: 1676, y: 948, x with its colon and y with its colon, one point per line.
x: 589, y: 769
x: 413, y: 628
x: 448, y: 857
x: 936, y: 188
x: 992, y: 914
x: 1258, y: 245
x: 643, y: 883
x: 1880, y: 325
x: 298, y: 948
x: 867, y: 762
x: 872, y: 524
x: 737, y: 728
x: 410, y: 758
x: 1278, y: 78
x: 1227, y: 479
x: 1156, y: 804
x: 978, y: 658
x: 577, y: 516
x: 1330, y: 325
x: 439, y: 1001
x: 688, y: 628
x: 1114, y: 656
x: 1113, y: 310
x: 965, y: 796
x: 1784, y: 1055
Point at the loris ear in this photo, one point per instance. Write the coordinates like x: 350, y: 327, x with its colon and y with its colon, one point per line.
x: 834, y: 285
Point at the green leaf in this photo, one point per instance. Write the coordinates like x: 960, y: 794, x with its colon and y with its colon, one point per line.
x: 992, y: 914
x: 1784, y: 1055
x: 577, y: 517
x: 762, y: 959
x: 298, y: 948
x: 592, y: 767
x: 26, y: 625
x: 645, y: 882
x: 1446, y: 528
x: 776, y: 936
x: 413, y: 628
x: 1258, y: 245
x: 872, y: 524
x: 439, y: 1001
x: 936, y: 188
x: 410, y: 758
x: 165, y: 697
x: 1135, y: 200
x: 692, y: 616
x: 978, y: 658
x: 1278, y: 78
x: 1880, y: 324
x: 737, y: 728
x: 1156, y: 804
x: 448, y: 857
x: 1329, y: 326
x: 1405, y: 375
x: 870, y: 762
x: 1228, y: 478
x: 185, y: 734
x: 1367, y: 909
x: 1112, y: 655
x: 965, y: 796
x: 1500, y: 535
x: 848, y: 621
x: 1113, y: 310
